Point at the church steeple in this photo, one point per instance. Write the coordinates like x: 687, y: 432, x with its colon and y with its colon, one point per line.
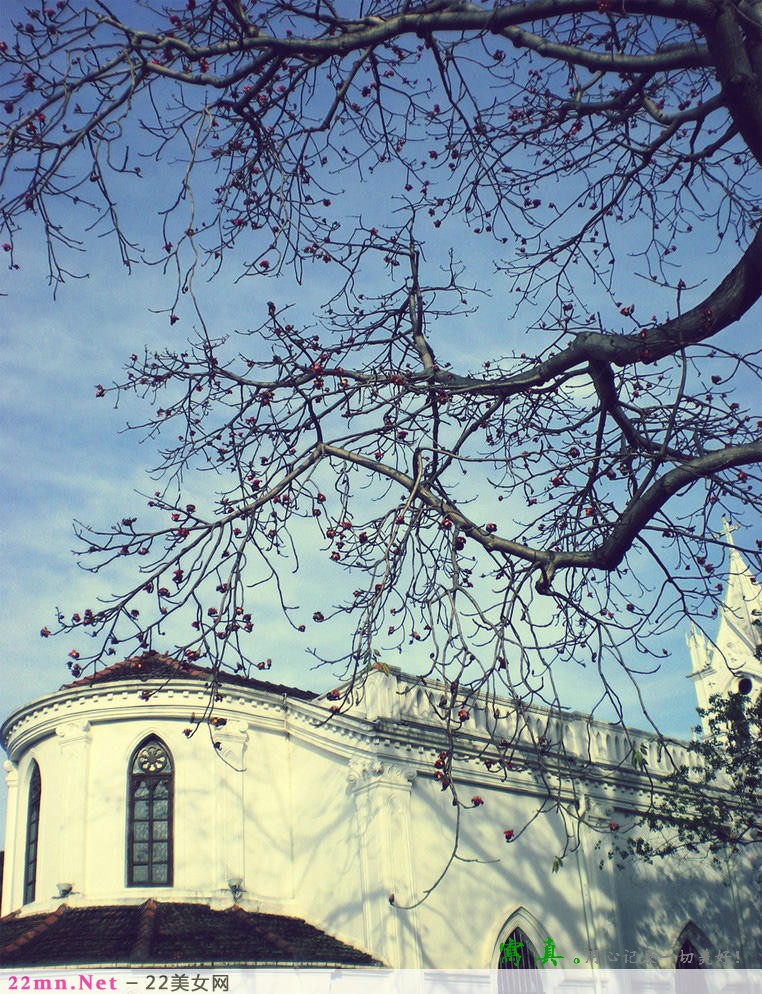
x: 733, y: 661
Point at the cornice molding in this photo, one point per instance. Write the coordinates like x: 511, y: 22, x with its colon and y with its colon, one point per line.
x: 406, y: 743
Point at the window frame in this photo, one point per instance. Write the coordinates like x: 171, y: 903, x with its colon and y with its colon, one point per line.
x: 523, y: 977
x: 32, y: 841
x: 135, y: 778
x: 688, y: 949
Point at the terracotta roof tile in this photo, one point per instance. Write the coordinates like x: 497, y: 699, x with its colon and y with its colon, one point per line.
x: 72, y: 935
x: 155, y: 666
x: 145, y: 931
x: 168, y: 934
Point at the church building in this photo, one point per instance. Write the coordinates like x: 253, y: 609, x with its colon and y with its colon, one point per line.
x: 156, y: 816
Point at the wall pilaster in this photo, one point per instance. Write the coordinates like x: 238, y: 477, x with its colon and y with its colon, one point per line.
x: 382, y: 800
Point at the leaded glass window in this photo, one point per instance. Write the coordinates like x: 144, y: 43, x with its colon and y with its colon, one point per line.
x: 688, y: 957
x: 519, y: 961
x: 32, y: 835
x: 149, y: 817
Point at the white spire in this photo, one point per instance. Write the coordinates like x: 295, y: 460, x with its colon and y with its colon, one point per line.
x: 742, y: 604
x: 730, y: 662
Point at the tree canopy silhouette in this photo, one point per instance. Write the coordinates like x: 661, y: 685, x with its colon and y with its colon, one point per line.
x: 511, y: 504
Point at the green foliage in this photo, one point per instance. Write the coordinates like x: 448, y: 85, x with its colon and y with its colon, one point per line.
x: 639, y: 757
x: 712, y: 803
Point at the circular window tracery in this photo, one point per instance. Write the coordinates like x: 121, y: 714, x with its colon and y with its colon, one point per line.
x: 152, y: 758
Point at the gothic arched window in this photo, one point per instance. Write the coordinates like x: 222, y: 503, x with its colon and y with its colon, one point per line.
x: 688, y: 957
x: 149, y: 816
x: 32, y: 834
x: 519, y: 961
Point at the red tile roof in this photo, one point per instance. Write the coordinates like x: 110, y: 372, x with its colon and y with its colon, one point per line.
x: 156, y: 666
x: 168, y: 934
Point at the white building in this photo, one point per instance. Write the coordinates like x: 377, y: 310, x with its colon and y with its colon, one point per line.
x: 733, y: 662
x: 293, y: 813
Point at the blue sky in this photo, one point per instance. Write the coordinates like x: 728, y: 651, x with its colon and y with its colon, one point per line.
x: 67, y: 457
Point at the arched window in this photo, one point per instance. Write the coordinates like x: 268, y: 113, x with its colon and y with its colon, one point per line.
x: 149, y: 816
x: 688, y: 957
x: 32, y: 834
x: 517, y: 966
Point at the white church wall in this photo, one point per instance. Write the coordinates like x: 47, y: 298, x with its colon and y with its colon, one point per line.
x: 266, y: 866
x: 54, y: 835
x: 327, y: 841
x: 460, y: 922
x: 342, y: 823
